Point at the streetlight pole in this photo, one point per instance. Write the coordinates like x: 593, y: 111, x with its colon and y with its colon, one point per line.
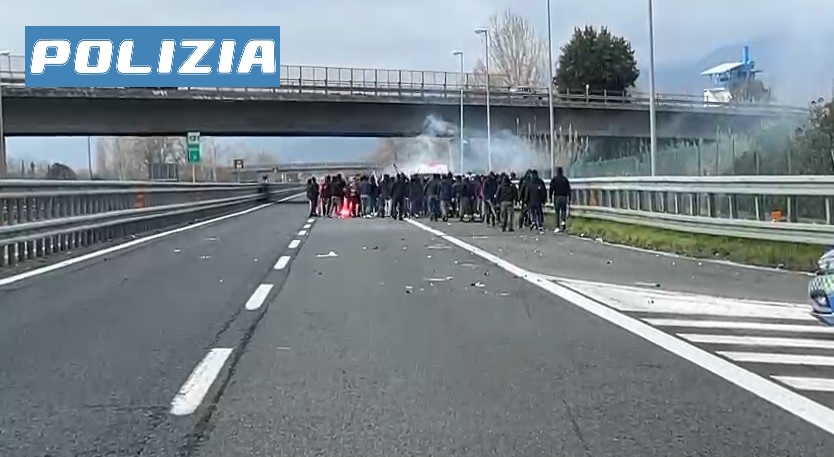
x: 652, y: 97
x: 550, y: 88
x: 3, y: 171
x: 485, y: 33
x: 462, y: 83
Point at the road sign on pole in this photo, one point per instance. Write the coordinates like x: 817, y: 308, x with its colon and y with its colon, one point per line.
x: 193, y: 147
x: 238, y: 164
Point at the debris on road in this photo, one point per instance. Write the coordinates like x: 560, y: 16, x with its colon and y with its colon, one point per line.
x: 329, y: 254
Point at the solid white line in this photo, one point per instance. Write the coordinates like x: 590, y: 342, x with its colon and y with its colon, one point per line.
x: 779, y: 359
x: 655, y: 292
x: 191, y: 394
x: 683, y: 306
x: 119, y: 247
x: 291, y: 197
x: 282, y: 262
x: 302, y: 232
x: 307, y: 226
x: 802, y: 383
x: 311, y: 220
x: 758, y: 341
x: 294, y: 244
x: 766, y: 389
x: 258, y: 297
x: 740, y: 325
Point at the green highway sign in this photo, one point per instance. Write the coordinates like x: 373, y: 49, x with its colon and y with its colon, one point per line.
x: 192, y: 146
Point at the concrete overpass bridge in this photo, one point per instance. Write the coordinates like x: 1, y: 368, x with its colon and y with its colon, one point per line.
x: 294, y: 171
x: 325, y: 101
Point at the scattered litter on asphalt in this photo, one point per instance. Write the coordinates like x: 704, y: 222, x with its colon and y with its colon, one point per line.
x: 673, y: 264
x: 205, y: 257
x: 405, y: 247
x: 428, y: 256
x: 479, y: 237
x: 478, y: 284
x: 211, y: 238
x: 609, y: 261
x: 364, y: 248
x: 221, y: 280
x: 177, y: 250
x: 598, y: 239
x: 329, y: 254
x: 647, y: 284
x: 503, y: 294
x: 700, y: 264
x: 447, y: 278
x: 283, y: 348
x: 438, y: 246
x: 409, y: 287
x: 256, y: 260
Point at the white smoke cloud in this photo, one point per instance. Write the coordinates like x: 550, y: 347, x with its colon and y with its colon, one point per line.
x: 439, y: 144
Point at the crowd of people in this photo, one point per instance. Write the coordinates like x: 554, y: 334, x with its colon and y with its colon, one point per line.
x: 491, y: 198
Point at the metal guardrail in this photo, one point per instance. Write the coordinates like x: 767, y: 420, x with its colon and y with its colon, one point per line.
x: 736, y: 206
x: 40, y: 218
x: 365, y: 82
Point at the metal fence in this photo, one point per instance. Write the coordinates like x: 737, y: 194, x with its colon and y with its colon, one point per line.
x: 40, y: 218
x: 779, y: 208
x: 421, y: 83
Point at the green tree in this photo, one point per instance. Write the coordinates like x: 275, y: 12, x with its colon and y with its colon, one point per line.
x: 596, y: 59
x: 814, y: 143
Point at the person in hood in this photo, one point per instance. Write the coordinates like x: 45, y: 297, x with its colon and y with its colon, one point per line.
x: 386, y: 188
x: 465, y: 197
x: 432, y: 192
x: 337, y: 194
x: 490, y: 186
x: 313, y: 196
x: 326, y: 196
x: 415, y: 196
x: 446, y: 194
x: 507, y: 196
x: 560, y: 196
x: 536, y: 194
x: 365, y: 196
x: 399, y: 189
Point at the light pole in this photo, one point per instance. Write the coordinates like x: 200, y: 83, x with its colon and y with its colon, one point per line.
x: 3, y: 171
x: 485, y: 33
x: 462, y: 83
x: 550, y: 88
x: 652, y: 97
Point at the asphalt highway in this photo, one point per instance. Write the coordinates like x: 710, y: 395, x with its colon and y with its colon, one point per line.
x: 271, y: 334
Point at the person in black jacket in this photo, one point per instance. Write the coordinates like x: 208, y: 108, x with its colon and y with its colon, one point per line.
x: 490, y: 186
x: 385, y: 188
x: 337, y: 194
x: 313, y: 196
x: 465, y: 196
x: 506, y: 196
x: 415, y: 196
x: 399, y: 189
x: 560, y: 196
x: 365, y: 196
x: 536, y: 195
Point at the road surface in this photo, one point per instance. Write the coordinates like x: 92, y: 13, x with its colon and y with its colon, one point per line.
x: 272, y: 334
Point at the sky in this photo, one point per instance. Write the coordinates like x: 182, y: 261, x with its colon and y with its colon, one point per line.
x: 419, y: 35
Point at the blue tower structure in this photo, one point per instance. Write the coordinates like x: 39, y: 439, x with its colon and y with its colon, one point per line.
x: 729, y: 77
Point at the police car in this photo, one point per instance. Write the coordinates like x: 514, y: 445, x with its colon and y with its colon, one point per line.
x: 821, y: 288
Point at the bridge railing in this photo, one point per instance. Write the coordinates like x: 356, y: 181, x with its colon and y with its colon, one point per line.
x: 40, y: 218
x: 419, y: 83
x: 779, y: 208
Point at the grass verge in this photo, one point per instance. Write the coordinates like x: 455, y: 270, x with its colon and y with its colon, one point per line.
x: 793, y: 256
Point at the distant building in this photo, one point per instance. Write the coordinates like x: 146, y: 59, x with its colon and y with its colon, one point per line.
x: 730, y: 80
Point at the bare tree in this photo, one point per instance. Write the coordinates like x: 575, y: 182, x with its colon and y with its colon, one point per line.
x: 518, y: 55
